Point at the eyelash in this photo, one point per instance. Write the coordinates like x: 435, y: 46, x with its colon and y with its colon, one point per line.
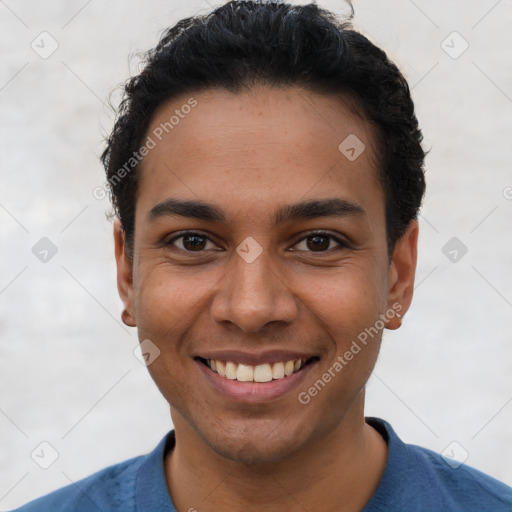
x: 341, y: 243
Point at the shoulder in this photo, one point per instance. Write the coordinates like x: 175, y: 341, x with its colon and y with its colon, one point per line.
x: 112, y: 488
x: 417, y: 479
x: 460, y: 485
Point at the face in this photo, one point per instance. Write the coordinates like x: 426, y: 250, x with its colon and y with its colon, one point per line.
x: 260, y: 254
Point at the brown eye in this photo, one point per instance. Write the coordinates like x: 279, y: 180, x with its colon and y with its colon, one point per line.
x: 194, y: 242
x: 191, y: 242
x: 319, y: 242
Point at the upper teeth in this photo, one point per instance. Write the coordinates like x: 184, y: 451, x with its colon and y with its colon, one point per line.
x: 260, y: 373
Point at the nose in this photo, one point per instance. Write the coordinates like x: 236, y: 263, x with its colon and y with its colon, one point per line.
x: 253, y: 295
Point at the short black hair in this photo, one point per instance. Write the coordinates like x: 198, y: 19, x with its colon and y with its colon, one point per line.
x: 244, y: 43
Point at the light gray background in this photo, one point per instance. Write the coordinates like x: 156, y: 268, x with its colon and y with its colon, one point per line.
x: 68, y: 374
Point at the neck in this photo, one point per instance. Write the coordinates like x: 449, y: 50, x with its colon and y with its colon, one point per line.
x: 340, y: 472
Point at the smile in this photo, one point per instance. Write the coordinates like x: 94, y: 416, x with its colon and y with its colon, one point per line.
x: 266, y: 372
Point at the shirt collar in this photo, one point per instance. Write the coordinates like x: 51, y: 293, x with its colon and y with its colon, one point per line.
x: 152, y: 493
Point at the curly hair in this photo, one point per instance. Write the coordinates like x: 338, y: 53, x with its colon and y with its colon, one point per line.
x: 243, y: 43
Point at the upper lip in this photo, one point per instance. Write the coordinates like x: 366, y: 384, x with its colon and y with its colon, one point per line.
x: 270, y: 356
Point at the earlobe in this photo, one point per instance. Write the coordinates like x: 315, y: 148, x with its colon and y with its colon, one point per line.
x: 401, y: 275
x: 124, y: 275
x: 394, y: 322
x: 128, y: 318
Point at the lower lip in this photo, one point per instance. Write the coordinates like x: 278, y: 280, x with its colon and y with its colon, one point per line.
x: 255, y: 391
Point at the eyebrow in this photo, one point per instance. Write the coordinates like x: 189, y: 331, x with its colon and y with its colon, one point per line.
x: 310, y: 209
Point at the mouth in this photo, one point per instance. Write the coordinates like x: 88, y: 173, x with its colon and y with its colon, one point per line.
x: 261, y: 373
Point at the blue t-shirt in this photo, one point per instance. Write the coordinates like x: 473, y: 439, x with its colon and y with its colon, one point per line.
x: 415, y: 480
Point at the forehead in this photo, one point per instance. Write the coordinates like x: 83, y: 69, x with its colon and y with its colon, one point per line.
x: 258, y: 147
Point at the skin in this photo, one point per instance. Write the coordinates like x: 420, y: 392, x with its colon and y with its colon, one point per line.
x: 250, y: 154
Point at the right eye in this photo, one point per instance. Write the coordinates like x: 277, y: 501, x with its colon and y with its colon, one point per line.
x: 190, y: 242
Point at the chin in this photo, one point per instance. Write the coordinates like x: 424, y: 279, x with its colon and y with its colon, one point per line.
x: 256, y: 451
x: 256, y: 444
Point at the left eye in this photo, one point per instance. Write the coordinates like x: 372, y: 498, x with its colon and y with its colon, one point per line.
x: 319, y: 242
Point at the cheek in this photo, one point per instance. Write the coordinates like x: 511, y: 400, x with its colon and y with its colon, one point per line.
x: 167, y: 307
x: 167, y: 303
x: 345, y: 302
x: 348, y: 305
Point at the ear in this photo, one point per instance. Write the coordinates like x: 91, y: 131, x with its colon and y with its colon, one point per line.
x: 124, y: 274
x: 401, y: 275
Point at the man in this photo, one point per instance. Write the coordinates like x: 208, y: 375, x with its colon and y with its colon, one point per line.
x: 266, y: 170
